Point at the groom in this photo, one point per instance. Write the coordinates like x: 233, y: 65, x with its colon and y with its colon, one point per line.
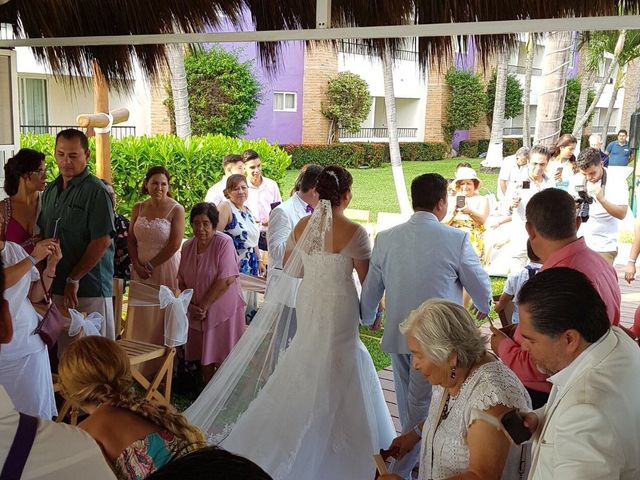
x: 411, y: 263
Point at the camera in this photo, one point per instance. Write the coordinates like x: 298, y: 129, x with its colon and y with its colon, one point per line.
x: 526, y: 184
x: 583, y: 201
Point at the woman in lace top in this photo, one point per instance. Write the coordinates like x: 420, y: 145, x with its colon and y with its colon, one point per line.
x: 449, y: 351
x: 156, y: 232
x: 25, y: 177
x: 136, y: 436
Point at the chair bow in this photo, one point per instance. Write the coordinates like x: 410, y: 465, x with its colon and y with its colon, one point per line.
x: 91, y: 325
x: 176, y: 323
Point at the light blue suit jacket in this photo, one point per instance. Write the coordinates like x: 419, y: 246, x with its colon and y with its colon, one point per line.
x: 416, y: 261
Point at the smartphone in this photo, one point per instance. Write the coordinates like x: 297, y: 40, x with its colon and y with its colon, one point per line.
x: 460, y: 201
x: 559, y: 171
x: 526, y: 184
x: 56, y: 231
x: 513, y: 424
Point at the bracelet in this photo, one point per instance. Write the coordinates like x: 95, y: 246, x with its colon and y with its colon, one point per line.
x: 32, y: 260
x: 71, y: 280
x: 148, y: 266
x: 632, y: 260
x: 50, y: 276
x: 417, y: 431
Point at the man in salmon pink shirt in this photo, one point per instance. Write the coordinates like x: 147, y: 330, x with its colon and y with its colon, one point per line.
x: 552, y: 226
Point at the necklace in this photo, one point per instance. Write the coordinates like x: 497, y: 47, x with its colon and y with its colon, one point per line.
x: 448, y: 406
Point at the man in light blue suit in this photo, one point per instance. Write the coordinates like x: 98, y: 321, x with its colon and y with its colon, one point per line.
x: 411, y: 263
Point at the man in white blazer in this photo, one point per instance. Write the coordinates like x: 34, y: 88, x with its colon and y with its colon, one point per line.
x: 411, y: 263
x: 283, y: 219
x: 590, y: 427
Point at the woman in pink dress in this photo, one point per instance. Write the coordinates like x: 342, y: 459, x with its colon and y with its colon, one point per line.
x: 209, y: 265
x: 155, y: 235
x: 25, y: 177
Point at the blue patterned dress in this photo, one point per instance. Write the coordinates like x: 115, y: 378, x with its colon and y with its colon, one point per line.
x: 244, y: 232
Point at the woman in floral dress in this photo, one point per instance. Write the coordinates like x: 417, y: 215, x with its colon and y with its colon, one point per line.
x: 237, y: 221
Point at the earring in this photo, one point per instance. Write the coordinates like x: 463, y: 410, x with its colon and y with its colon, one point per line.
x: 453, y: 373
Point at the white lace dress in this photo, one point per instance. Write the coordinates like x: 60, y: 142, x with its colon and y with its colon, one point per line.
x: 322, y: 414
x: 445, y: 452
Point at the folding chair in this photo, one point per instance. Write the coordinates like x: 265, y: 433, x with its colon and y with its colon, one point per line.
x: 118, y: 294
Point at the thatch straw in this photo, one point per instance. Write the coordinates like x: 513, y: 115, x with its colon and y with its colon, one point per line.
x: 56, y: 18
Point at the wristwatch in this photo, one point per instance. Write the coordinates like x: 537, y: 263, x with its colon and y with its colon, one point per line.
x: 72, y: 281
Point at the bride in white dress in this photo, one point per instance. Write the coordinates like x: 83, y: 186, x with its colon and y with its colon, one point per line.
x: 321, y: 414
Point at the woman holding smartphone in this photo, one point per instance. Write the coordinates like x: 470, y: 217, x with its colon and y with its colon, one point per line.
x: 468, y: 210
x: 469, y: 386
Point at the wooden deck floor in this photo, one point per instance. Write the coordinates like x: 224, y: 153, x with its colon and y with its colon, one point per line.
x: 630, y: 301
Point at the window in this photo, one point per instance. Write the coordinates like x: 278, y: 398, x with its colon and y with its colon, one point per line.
x: 285, y: 102
x: 33, y: 103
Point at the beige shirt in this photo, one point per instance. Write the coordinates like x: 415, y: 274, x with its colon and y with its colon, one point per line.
x: 59, y: 452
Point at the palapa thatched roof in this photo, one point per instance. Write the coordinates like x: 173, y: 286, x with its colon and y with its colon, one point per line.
x: 70, y: 18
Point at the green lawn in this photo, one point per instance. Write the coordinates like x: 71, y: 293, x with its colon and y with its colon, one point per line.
x: 373, y: 189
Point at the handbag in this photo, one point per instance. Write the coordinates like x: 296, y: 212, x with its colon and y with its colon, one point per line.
x: 20, y: 448
x: 52, y: 322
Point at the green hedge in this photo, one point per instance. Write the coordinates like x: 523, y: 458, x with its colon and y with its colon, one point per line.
x: 354, y: 155
x: 473, y: 148
x: 194, y: 165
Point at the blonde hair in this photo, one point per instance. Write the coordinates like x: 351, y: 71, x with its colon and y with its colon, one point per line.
x: 96, y: 370
x: 442, y: 328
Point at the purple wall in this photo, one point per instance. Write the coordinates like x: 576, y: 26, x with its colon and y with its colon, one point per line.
x: 276, y: 127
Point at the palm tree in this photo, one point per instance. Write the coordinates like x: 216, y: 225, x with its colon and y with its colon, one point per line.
x: 600, y: 43
x: 494, y: 153
x: 551, y: 102
x: 586, y: 85
x: 392, y: 128
x: 526, y: 100
x: 175, y: 55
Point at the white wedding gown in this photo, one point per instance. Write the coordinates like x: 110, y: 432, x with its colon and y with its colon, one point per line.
x: 321, y: 414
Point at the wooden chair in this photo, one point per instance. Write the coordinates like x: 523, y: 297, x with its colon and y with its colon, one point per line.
x: 118, y: 294
x: 506, y: 314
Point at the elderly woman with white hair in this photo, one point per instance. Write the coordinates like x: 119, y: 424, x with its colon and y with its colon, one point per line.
x: 450, y: 352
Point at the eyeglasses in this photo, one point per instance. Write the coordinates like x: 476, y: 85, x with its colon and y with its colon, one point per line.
x: 39, y: 173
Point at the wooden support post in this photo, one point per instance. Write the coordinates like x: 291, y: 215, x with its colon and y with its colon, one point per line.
x: 101, y: 105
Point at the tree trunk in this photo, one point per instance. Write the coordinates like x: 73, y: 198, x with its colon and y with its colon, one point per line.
x: 392, y: 128
x: 175, y: 54
x: 551, y: 100
x: 494, y: 153
x: 585, y: 87
x: 607, y: 75
x: 612, y: 101
x: 526, y: 100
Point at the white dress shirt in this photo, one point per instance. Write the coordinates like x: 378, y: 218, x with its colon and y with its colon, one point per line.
x: 59, y: 452
x: 215, y: 194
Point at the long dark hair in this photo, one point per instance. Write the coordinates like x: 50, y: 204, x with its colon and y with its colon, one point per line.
x: 21, y: 164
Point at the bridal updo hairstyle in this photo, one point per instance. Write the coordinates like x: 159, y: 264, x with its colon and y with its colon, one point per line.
x: 333, y: 182
x: 96, y: 370
x: 22, y: 163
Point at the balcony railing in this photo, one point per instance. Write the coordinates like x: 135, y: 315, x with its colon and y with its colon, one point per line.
x: 358, y: 48
x: 598, y: 129
x: 536, y: 72
x: 378, y: 132
x: 117, y: 131
x: 517, y: 131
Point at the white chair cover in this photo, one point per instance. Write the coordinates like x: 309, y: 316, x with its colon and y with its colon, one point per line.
x: 176, y: 323
x: 91, y: 325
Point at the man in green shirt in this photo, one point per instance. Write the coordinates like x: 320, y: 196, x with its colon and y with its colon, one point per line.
x: 77, y: 209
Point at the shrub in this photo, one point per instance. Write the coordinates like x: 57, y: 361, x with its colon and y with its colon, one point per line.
x: 466, y: 102
x: 473, y: 148
x: 571, y: 105
x: 223, y: 92
x: 513, y: 97
x: 348, y: 102
x: 194, y: 165
x: 354, y: 155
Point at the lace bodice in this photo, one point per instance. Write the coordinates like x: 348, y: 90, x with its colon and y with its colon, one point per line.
x: 489, y: 385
